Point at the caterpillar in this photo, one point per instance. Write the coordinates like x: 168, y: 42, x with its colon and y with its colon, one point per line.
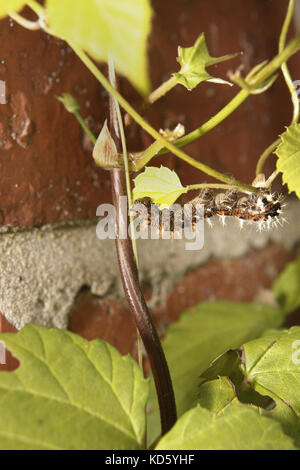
x: 263, y: 208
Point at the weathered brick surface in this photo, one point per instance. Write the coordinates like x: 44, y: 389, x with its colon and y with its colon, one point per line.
x: 237, y: 280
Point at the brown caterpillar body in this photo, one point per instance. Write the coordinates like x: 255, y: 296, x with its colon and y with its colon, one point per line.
x: 263, y: 208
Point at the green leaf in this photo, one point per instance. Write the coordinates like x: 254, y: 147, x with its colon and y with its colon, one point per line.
x: 162, y: 185
x: 272, y: 366
x: 271, y: 371
x: 224, y: 383
x: 193, y: 61
x: 288, y: 152
x: 241, y: 429
x: 9, y: 6
x: 69, y: 393
x: 286, y: 287
x: 198, y: 338
x: 217, y: 394
x: 104, y: 28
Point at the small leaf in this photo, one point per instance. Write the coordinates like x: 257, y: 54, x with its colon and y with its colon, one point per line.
x: 216, y: 395
x: 105, y: 151
x: 104, y: 28
x: 286, y: 287
x: 10, y: 6
x: 225, y: 379
x: 162, y: 185
x: 271, y: 380
x: 272, y: 365
x: 70, y: 394
x: 240, y: 429
x: 288, y: 152
x: 193, y: 61
x: 199, y: 337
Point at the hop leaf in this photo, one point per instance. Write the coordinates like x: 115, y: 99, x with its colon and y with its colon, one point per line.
x: 288, y: 152
x: 193, y: 61
x: 162, y: 185
x: 69, y: 393
x: 106, y: 28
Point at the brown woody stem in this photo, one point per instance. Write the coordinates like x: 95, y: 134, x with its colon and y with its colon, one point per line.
x: 133, y: 292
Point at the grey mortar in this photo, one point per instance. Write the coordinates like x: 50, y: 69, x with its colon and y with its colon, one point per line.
x: 43, y: 269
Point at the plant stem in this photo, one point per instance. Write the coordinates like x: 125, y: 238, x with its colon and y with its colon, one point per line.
x: 134, y: 295
x: 272, y: 178
x: 84, y: 126
x: 259, y: 78
x: 262, y: 159
x: 295, y: 100
x: 212, y: 122
x: 165, y: 87
x: 141, y: 314
x: 32, y: 25
x: 284, y: 67
x: 162, y: 90
x: 112, y: 78
x: 200, y: 166
x: 212, y: 186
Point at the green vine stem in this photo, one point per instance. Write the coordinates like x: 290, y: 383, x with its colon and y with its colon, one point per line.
x: 212, y: 186
x: 162, y: 90
x: 130, y: 110
x: 295, y: 100
x: 84, y: 126
x: 32, y: 25
x: 212, y: 122
x: 165, y: 87
x: 264, y: 156
x: 266, y: 72
x: 259, y: 78
x: 284, y: 67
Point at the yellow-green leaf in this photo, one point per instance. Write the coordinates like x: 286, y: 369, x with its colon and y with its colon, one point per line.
x: 162, y: 185
x: 69, y: 393
x: 9, y: 6
x: 198, y: 338
x: 240, y: 429
x: 193, y: 61
x: 103, y: 28
x: 288, y: 152
x: 286, y: 287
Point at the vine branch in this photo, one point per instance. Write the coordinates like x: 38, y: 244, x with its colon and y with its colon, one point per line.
x: 134, y: 295
x: 284, y: 68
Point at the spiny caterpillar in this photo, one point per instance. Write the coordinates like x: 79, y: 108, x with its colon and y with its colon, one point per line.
x: 262, y: 208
